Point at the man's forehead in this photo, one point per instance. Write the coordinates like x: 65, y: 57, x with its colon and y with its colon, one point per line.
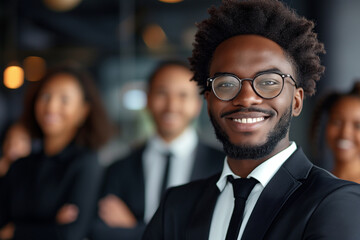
x: 249, y: 53
x: 249, y: 42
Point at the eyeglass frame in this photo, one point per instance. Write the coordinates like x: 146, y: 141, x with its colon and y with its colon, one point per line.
x: 282, y: 75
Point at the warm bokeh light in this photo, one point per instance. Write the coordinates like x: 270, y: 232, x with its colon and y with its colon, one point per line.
x: 34, y: 68
x: 154, y: 36
x: 170, y: 1
x: 13, y: 77
x: 61, y: 5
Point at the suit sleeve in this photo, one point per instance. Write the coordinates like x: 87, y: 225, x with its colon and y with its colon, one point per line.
x: 337, y: 216
x: 115, y: 182
x: 155, y: 228
x: 83, y: 194
x: 4, y: 203
x: 101, y: 231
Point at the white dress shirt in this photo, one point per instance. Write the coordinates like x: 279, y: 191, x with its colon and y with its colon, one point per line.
x: 225, y: 202
x: 181, y: 164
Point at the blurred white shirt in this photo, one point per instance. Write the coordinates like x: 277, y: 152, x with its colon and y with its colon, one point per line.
x: 182, y: 161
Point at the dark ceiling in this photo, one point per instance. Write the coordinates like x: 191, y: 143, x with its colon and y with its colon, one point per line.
x: 29, y: 27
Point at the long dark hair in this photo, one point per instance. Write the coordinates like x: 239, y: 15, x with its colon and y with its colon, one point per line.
x: 96, y: 129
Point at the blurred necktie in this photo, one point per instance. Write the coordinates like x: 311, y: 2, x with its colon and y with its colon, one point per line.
x: 167, y: 158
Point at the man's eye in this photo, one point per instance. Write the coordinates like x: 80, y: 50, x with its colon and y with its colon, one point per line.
x: 225, y: 85
x: 160, y: 93
x: 268, y: 82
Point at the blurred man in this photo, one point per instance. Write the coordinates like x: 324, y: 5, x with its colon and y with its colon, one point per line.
x: 173, y: 156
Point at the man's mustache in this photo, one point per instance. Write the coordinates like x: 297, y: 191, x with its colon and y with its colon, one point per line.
x: 251, y: 109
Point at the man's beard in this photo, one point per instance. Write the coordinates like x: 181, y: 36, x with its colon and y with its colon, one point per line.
x: 258, y: 151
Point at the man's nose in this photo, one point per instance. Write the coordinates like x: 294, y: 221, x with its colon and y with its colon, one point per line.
x: 172, y: 103
x: 247, y: 96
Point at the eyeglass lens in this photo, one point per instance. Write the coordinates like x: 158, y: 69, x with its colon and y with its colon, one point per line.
x: 267, y: 85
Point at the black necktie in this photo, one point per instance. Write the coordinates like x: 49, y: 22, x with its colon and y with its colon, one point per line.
x: 242, y: 188
x: 166, y: 173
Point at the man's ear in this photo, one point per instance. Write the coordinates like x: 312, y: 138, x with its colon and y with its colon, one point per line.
x: 206, y: 95
x: 298, y: 101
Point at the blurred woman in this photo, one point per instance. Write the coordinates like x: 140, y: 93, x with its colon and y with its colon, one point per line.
x: 342, y: 131
x: 52, y: 194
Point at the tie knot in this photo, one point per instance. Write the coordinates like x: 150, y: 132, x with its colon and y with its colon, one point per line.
x: 242, y: 186
x: 168, y: 155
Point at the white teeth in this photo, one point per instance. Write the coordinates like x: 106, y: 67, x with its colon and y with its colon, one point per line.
x: 345, y: 144
x: 249, y: 120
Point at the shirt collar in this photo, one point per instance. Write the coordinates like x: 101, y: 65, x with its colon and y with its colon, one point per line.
x: 182, y: 145
x: 264, y: 172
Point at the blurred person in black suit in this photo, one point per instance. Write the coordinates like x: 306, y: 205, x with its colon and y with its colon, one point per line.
x: 134, y: 185
x: 51, y: 194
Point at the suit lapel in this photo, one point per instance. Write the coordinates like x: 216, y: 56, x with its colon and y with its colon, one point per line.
x: 199, y: 160
x: 138, y: 183
x: 207, y: 162
x: 199, y: 224
x: 284, y: 183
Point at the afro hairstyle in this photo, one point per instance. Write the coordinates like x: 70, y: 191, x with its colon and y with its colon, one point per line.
x: 268, y: 18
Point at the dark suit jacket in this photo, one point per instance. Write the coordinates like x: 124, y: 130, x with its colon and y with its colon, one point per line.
x: 37, y: 186
x: 125, y: 179
x: 301, y: 201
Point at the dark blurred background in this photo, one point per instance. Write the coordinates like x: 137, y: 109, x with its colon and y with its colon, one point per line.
x: 120, y: 41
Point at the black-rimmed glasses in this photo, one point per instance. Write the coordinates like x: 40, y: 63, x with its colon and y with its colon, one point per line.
x: 268, y: 85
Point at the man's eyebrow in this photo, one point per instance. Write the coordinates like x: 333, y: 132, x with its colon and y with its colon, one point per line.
x: 222, y: 73
x: 257, y: 73
x: 269, y: 70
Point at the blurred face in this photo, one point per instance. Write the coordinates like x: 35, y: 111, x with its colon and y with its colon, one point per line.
x: 173, y: 101
x: 343, y: 129
x: 60, y: 108
x: 249, y: 126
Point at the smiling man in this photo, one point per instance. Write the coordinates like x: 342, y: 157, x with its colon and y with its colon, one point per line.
x: 255, y: 62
